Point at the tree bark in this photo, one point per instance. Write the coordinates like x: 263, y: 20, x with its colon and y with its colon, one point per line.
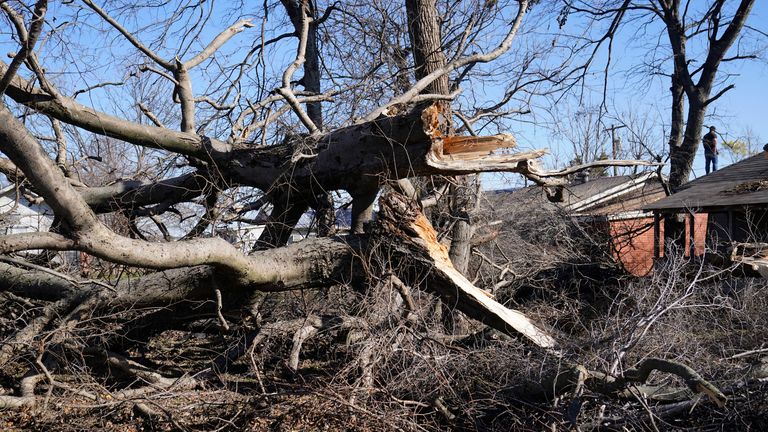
x: 464, y: 200
x: 401, y: 218
x: 678, y: 110
x: 682, y: 156
x: 311, y: 78
x: 322, y: 201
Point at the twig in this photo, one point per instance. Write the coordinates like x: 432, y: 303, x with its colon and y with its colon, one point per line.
x: 222, y: 321
x: 95, y: 86
x: 130, y: 37
x: 747, y: 353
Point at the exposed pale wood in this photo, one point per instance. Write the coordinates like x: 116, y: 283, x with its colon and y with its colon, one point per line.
x: 469, y: 146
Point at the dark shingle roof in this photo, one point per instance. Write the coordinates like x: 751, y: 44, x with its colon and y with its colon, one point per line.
x: 743, y: 183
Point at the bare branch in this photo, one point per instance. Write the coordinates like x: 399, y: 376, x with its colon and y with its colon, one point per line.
x: 95, y: 86
x: 166, y: 75
x: 217, y: 42
x: 72, y: 112
x: 28, y: 44
x: 719, y: 94
x: 185, y: 97
x: 130, y: 37
x: 151, y: 116
x: 286, y: 91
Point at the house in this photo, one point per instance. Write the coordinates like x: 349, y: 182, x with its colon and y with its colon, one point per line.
x: 611, y: 207
x: 731, y: 202
x: 245, y: 235
x: 20, y: 215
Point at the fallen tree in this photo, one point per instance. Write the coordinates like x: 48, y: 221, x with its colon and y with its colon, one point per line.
x: 94, y: 338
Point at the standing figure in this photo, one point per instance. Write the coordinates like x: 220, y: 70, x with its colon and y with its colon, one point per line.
x: 710, y: 150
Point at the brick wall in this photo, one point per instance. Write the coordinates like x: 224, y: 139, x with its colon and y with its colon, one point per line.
x: 699, y: 232
x: 632, y: 244
x: 632, y: 241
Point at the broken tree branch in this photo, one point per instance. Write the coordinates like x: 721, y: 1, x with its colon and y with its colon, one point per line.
x: 403, y: 218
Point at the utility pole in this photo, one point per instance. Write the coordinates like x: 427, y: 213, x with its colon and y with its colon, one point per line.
x: 615, y: 145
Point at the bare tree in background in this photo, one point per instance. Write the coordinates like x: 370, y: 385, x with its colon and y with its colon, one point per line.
x: 700, y: 37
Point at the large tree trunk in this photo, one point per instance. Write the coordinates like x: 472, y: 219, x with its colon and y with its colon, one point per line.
x: 425, y: 34
x: 402, y: 234
x: 286, y: 210
x: 311, y: 78
x: 678, y: 112
x: 699, y: 93
x: 682, y: 156
x: 464, y: 202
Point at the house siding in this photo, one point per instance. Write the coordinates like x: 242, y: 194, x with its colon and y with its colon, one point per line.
x: 700, y: 231
x: 22, y: 217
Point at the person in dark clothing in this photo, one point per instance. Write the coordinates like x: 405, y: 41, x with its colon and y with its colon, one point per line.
x: 710, y: 150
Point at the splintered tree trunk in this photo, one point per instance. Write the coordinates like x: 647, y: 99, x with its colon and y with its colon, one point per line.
x: 754, y: 255
x: 428, y: 56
